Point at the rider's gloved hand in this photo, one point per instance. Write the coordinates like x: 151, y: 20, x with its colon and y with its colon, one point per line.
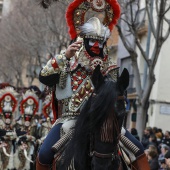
x: 2, y: 139
x: 22, y: 139
x: 2, y: 132
x: 20, y: 133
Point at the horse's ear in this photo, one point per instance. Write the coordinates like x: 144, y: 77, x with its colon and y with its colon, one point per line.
x: 97, y: 78
x: 123, y: 80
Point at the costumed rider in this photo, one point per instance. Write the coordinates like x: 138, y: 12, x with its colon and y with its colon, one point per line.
x: 8, y: 105
x: 25, y: 142
x: 90, y: 23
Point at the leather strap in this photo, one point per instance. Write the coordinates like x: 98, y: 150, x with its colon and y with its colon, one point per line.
x: 101, y: 155
x: 121, y: 97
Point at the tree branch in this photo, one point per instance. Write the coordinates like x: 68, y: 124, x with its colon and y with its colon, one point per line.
x: 151, y: 19
x: 165, y: 37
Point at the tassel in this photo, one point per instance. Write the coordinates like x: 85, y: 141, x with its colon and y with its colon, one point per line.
x: 107, y: 130
x: 5, y: 152
x: 26, y: 156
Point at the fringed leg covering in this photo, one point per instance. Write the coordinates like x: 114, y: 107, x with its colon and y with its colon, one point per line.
x: 129, y: 145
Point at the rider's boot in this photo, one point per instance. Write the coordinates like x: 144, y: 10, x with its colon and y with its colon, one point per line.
x: 40, y: 166
x: 141, y: 163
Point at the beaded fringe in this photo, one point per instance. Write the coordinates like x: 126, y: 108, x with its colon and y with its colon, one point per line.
x: 128, y: 144
x: 107, y: 130
x: 62, y: 141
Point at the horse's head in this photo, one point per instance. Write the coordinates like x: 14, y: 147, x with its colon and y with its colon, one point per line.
x: 108, y: 95
x: 99, y: 80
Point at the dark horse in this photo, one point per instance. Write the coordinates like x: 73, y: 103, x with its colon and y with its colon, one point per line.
x: 94, y: 144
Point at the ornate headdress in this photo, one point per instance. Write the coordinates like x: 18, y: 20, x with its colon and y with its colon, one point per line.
x: 29, y: 106
x: 80, y: 11
x: 29, y: 99
x: 8, y: 102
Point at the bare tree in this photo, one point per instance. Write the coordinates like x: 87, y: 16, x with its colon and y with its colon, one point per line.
x: 159, y: 26
x: 27, y: 34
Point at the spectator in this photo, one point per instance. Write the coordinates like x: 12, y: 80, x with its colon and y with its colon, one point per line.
x: 159, y: 135
x: 151, y: 148
x: 152, y: 140
x: 164, y: 150
x: 167, y: 160
x: 160, y: 131
x: 154, y: 130
x: 134, y: 132
x: 153, y: 160
x: 166, y: 138
x: 146, y: 136
x: 164, y: 162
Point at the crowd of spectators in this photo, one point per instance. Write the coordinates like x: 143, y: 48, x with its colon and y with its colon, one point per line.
x: 157, y: 147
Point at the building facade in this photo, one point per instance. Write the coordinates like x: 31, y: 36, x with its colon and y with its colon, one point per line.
x: 159, y: 103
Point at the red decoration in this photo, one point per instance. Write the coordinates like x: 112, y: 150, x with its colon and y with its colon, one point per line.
x: 79, y: 76
x: 44, y: 110
x: 116, y: 10
x: 95, y: 48
x: 74, y: 5
x: 25, y: 100
x: 69, y: 17
x: 12, y: 98
x: 54, y: 63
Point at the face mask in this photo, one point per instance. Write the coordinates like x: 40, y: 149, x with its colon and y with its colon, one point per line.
x: 94, y: 47
x: 99, y: 43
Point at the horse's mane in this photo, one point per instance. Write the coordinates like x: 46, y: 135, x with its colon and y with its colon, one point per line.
x: 93, y: 114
